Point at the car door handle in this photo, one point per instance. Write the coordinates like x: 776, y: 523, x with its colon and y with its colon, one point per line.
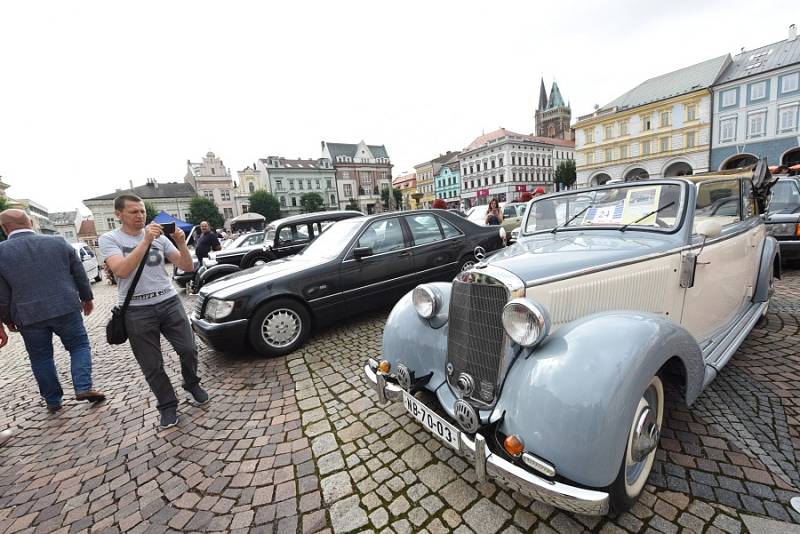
x: 404, y: 254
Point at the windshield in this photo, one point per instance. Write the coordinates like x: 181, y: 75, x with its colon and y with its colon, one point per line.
x: 233, y: 243
x: 333, y: 240
x: 616, y: 206
x: 785, y: 194
x: 477, y: 215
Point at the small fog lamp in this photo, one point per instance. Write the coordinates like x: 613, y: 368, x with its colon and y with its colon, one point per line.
x: 513, y: 446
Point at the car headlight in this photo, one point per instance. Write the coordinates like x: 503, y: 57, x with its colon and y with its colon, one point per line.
x: 217, y: 309
x: 781, y: 229
x: 526, y: 322
x: 426, y: 301
x: 502, y: 233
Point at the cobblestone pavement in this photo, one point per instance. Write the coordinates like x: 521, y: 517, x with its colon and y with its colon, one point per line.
x: 297, y: 444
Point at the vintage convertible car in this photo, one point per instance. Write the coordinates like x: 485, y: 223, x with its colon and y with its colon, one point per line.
x: 545, y: 364
x: 783, y: 216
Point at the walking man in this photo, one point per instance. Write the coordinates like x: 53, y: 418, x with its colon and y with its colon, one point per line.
x: 155, y: 308
x: 207, y: 242
x: 43, y: 288
x: 6, y: 434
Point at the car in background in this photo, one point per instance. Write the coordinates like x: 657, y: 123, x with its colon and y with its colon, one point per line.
x: 783, y: 216
x: 89, y: 261
x: 544, y: 365
x: 358, y: 264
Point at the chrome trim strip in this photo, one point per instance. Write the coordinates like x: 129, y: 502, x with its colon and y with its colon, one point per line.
x: 417, y: 273
x: 722, y: 351
x: 560, y: 495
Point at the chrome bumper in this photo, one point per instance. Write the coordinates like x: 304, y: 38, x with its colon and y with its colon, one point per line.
x: 491, y: 466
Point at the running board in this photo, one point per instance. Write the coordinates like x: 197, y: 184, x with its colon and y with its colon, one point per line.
x: 717, y: 355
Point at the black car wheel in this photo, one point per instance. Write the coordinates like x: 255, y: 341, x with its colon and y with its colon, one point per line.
x: 279, y: 327
x: 256, y: 257
x: 467, y: 263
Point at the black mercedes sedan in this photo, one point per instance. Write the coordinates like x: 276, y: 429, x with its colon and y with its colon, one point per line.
x: 783, y: 216
x: 356, y: 265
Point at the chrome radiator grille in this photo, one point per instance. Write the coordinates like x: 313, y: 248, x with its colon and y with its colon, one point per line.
x: 476, y: 336
x: 198, y: 306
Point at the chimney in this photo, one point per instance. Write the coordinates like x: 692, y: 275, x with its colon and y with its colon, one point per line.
x: 130, y: 183
x: 155, y: 183
x: 792, y: 32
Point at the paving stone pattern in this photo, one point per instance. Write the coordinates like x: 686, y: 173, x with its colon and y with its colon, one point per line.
x: 297, y: 444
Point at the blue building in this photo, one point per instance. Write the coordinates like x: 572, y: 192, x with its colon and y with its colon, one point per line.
x: 756, y: 107
x: 448, y: 182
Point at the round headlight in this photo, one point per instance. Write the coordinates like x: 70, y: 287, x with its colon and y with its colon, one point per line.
x: 526, y: 322
x: 502, y: 233
x: 426, y: 301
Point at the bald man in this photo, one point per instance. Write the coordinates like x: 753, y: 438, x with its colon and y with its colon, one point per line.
x: 43, y: 289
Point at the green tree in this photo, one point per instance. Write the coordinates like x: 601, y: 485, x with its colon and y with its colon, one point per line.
x: 565, y: 173
x: 398, y: 198
x: 265, y: 204
x: 151, y: 212
x: 202, y: 209
x: 385, y: 196
x: 352, y: 205
x: 311, y: 202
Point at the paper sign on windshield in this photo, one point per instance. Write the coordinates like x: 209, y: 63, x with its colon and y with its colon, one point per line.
x: 640, y: 201
x: 609, y: 214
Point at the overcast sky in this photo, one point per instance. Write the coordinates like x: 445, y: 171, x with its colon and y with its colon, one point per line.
x: 94, y: 94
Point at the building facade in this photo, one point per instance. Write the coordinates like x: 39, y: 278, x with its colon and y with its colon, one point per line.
x: 553, y: 116
x: 504, y: 164
x: 362, y: 172
x: 757, y: 107
x: 407, y: 184
x: 448, y: 182
x: 210, y: 179
x: 426, y: 176
x: 660, y: 128
x: 38, y: 214
x: 67, y: 224
x: 290, y: 179
x: 250, y: 180
x: 173, y: 198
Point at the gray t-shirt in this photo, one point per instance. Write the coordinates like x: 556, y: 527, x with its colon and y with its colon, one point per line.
x: 155, y: 285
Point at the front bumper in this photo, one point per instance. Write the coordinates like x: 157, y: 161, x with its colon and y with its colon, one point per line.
x: 790, y: 249
x: 222, y: 337
x: 490, y: 465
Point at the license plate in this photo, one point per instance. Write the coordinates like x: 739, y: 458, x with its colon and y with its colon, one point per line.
x: 438, y: 426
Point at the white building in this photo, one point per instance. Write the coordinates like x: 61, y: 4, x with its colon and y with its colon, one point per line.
x: 289, y: 179
x: 503, y: 164
x: 213, y: 181
x: 67, y: 223
x: 173, y: 198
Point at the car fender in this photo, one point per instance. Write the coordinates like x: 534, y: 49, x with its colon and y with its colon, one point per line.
x: 217, y: 271
x: 418, y: 343
x: 572, y: 399
x: 770, y: 258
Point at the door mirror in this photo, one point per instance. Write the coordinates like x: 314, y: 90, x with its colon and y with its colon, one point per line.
x: 362, y: 252
x: 709, y: 229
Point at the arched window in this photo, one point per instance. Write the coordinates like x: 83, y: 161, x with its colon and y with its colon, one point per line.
x: 333, y: 200
x: 283, y: 202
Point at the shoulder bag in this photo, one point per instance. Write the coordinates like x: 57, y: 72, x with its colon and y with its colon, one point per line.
x: 116, y: 333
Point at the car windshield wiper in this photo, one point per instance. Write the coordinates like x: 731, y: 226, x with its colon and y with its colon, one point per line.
x: 572, y: 219
x: 643, y: 217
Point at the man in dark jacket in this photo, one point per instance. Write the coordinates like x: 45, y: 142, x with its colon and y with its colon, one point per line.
x: 206, y: 242
x: 43, y: 288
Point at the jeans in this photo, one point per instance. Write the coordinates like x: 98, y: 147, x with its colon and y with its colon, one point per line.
x: 38, y: 339
x: 145, y: 324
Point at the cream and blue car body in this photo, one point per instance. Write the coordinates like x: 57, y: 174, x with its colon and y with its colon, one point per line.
x: 545, y: 364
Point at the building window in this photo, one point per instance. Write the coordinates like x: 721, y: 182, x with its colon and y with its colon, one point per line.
x: 279, y: 185
x: 623, y: 128
x: 666, y: 119
x: 283, y: 202
x: 294, y: 202
x: 493, y: 162
x: 758, y: 90
x: 646, y: 123
x: 589, y: 136
x: 251, y: 186
x: 663, y: 144
x: 227, y: 212
x: 226, y: 194
x: 329, y: 184
x: 690, y: 139
x: 729, y: 98
x: 756, y: 124
x: 209, y: 195
x: 691, y: 112
x: 623, y: 151
x: 333, y: 200
x: 308, y: 185
x: 589, y: 158
x: 787, y: 118
x: 609, y: 132
x: 245, y: 208
x: 111, y: 223
x: 317, y: 184
x: 501, y: 162
x: 300, y: 184
x: 789, y: 83
x: 645, y: 148
x: 348, y: 190
x: 609, y: 154
x: 291, y: 185
x: 727, y: 129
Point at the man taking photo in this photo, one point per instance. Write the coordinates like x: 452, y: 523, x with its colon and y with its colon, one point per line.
x: 154, y: 308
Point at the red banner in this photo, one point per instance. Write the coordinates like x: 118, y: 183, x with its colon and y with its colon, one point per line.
x: 520, y: 188
x: 482, y: 193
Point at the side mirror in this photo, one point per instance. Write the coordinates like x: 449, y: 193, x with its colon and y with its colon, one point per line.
x: 362, y: 252
x: 709, y: 229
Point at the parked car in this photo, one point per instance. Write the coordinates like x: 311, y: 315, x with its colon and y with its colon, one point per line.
x: 89, y: 261
x: 356, y: 265
x: 783, y: 216
x: 513, y: 212
x: 279, y: 239
x: 548, y: 359
x: 477, y: 215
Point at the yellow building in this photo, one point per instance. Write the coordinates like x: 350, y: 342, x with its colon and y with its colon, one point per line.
x: 426, y: 174
x: 407, y: 184
x: 658, y: 129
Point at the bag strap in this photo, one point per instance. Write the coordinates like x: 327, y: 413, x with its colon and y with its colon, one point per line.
x: 136, y: 277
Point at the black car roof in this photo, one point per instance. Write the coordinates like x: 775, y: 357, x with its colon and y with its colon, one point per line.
x: 442, y: 212
x: 316, y: 216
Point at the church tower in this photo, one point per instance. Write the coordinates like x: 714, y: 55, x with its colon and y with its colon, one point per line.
x: 552, y: 114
